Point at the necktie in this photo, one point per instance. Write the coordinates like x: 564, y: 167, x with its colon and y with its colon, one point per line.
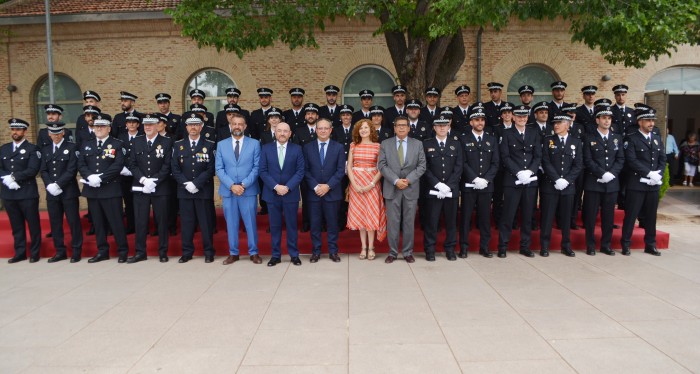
x: 401, y: 152
x: 367, y: 115
x: 131, y: 139
x: 237, y: 150
x: 432, y: 113
x: 296, y: 114
x: 442, y: 146
x: 590, y: 111
x: 465, y: 112
x: 312, y: 131
x: 347, y: 131
x: 605, y: 139
x: 522, y: 136
x: 478, y: 139
x: 280, y: 156
x: 323, y: 153
x: 55, y: 148
x: 99, y: 144
x: 194, y: 144
x: 562, y: 140
x: 400, y: 112
x: 331, y: 111
x: 150, y: 144
x: 413, y: 127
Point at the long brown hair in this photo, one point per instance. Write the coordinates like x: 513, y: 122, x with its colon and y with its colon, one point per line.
x: 373, y: 135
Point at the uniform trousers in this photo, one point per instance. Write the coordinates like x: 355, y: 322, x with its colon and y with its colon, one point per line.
x: 196, y: 211
x: 128, y: 196
x: 287, y: 210
x: 514, y: 197
x: 578, y: 199
x: 400, y: 216
x: 237, y: 208
x: 305, y: 216
x: 142, y: 209
x: 324, y: 211
x: 105, y: 213
x: 640, y: 203
x: 71, y: 208
x: 20, y: 211
x: 480, y: 200
x: 592, y: 201
x: 434, y: 208
x: 550, y: 205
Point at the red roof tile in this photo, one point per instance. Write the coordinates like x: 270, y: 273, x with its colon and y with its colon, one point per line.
x: 36, y: 7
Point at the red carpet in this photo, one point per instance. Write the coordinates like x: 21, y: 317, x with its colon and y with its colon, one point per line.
x: 349, y: 241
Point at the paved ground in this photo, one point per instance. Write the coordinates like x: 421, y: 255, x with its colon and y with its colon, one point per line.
x: 586, y: 314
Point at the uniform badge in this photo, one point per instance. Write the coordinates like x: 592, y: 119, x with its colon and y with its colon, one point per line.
x: 204, y: 149
x: 182, y: 147
x: 65, y: 151
x: 500, y: 140
x: 625, y: 145
x: 207, y: 135
x: 629, y: 114
x: 38, y: 154
x: 452, y: 147
x: 159, y: 146
x: 174, y: 120
x: 488, y: 144
x: 551, y: 144
x: 573, y: 147
x: 431, y: 149
x: 22, y: 151
x: 593, y: 143
x: 77, y: 153
x: 422, y: 129
x: 656, y: 142
x: 109, y: 146
x: 88, y: 148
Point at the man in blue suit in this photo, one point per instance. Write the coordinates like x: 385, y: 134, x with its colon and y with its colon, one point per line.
x: 282, y: 171
x: 325, y: 169
x: 237, y: 165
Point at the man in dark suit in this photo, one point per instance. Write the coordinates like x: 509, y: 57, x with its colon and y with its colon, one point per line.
x: 623, y: 115
x: 20, y: 163
x: 493, y: 107
x: 399, y: 108
x: 58, y: 171
x: 222, y: 122
x: 192, y: 167
x: 558, y: 91
x: 325, y: 169
x: 282, y: 171
x: 443, y: 159
x: 295, y: 115
x: 645, y: 157
x: 562, y: 161
x: 331, y: 110
x: 460, y: 113
x: 521, y: 154
x: 88, y: 132
x: 303, y: 136
x: 100, y: 162
x: 90, y: 98
x: 128, y: 101
x: 585, y: 116
x: 366, y: 97
x: 603, y: 158
x: 431, y: 110
x: 149, y: 163
x: 258, y: 117
x: 54, y: 113
x: 173, y: 120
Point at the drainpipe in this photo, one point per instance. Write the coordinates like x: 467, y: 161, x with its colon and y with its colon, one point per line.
x: 478, y: 63
x: 49, y: 52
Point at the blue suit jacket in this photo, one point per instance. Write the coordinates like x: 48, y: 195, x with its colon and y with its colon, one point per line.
x: 242, y: 171
x: 331, y: 173
x: 291, y: 175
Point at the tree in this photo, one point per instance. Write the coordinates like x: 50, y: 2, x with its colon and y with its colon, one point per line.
x: 424, y: 37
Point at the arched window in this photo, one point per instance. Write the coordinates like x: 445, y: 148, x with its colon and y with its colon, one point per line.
x: 675, y: 79
x: 369, y: 77
x: 536, y: 76
x: 67, y: 94
x: 214, y: 84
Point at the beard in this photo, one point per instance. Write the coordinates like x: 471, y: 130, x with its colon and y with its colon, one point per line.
x: 237, y: 133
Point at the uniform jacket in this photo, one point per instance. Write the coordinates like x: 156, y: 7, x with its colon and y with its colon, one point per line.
x: 422, y: 130
x: 302, y: 136
x: 442, y: 166
x: 585, y: 119
x: 243, y: 171
x: 339, y: 136
x: 108, y: 161
x: 119, y: 123
x: 518, y: 154
x: 196, y: 166
x: 331, y: 172
x: 481, y: 161
x: 61, y: 168
x: 153, y: 162
x: 641, y: 157
x: 24, y: 164
x: 621, y: 119
x: 561, y: 161
x: 493, y: 113
x: 324, y: 112
x: 295, y: 122
x: 600, y: 157
x: 43, y: 139
x: 290, y: 175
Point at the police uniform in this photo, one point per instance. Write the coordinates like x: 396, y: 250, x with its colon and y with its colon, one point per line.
x: 562, y: 161
x: 207, y: 117
x: 519, y: 154
x: 127, y: 179
x: 221, y: 123
x: 295, y: 117
x: 343, y: 136
x: 267, y: 136
x: 43, y: 139
x: 195, y: 165
x: 224, y: 131
x: 303, y: 136
x: 585, y: 116
x: 623, y: 116
x: 481, y: 160
x: 104, y: 159
x: 59, y: 168
x: 418, y: 129
x: 497, y: 182
x: 119, y: 121
x: 149, y: 161
x: 531, y: 90
x: 19, y: 193
x: 443, y: 166
x: 460, y: 116
x: 578, y: 131
x: 391, y: 113
x: 332, y: 114
x: 172, y: 120
x: 428, y: 115
x: 80, y: 122
x: 258, y: 117
x: 543, y: 130
x: 360, y: 114
x: 643, y: 154
x: 600, y: 156
x: 492, y: 108
x: 554, y: 108
x: 85, y: 134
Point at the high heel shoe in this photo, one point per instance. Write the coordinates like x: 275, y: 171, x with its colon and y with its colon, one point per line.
x: 363, y: 254
x: 370, y: 254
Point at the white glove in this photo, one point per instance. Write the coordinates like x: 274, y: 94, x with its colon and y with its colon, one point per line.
x: 13, y: 186
x: 561, y: 184
x: 524, y: 176
x: 480, y: 183
x: 607, y: 177
x: 652, y: 182
x: 150, y: 183
x: 54, y: 189
x: 94, y: 180
x: 148, y: 189
x: 654, y: 175
x: 443, y: 188
x: 191, y: 188
x: 441, y: 195
x: 126, y: 172
x: 7, y: 179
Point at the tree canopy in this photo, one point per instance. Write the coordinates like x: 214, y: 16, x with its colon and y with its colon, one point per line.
x: 424, y: 36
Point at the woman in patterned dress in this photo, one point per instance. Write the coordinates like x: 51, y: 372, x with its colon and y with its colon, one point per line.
x: 366, y: 210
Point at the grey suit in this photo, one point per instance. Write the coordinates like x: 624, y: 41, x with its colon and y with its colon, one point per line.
x: 398, y: 201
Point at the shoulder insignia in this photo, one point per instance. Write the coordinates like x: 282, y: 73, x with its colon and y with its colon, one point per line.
x: 38, y: 154
x: 77, y: 153
x: 124, y: 151
x: 625, y: 145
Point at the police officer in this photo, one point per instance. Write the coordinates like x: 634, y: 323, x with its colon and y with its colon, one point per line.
x: 90, y: 112
x: 20, y: 164
x: 100, y: 162
x: 295, y: 115
x: 258, y: 117
x: 585, y: 115
x: 622, y: 115
x: 343, y: 134
x: 526, y: 94
x: 197, y: 97
x: 149, y: 162
x: 90, y: 98
x: 58, y: 171
x: 172, y: 120
x: 128, y: 101
x: 133, y: 130
x: 54, y: 113
x: 233, y: 94
x: 505, y: 121
x: 542, y: 124
x: 223, y: 132
x: 366, y: 97
x: 208, y: 132
x: 460, y: 113
x: 493, y: 107
x: 443, y: 171
x: 521, y: 154
x: 377, y: 119
x: 558, y: 91
x: 603, y: 158
x: 562, y: 161
x: 302, y: 136
x: 497, y: 182
x: 578, y: 131
x: 431, y: 110
x: 331, y: 110
x: 419, y: 129
x: 645, y: 159
x: 399, y: 108
x: 481, y: 165
x: 192, y: 167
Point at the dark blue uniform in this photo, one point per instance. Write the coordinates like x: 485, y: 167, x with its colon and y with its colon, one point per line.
x: 127, y: 181
x: 420, y: 130
x: 119, y: 123
x: 44, y: 140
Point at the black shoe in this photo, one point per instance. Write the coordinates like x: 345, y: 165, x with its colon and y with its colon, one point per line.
x: 305, y: 228
x: 543, y: 253
x: 616, y: 226
x: 57, y: 258
x: 91, y: 231
x: 75, y: 259
x: 590, y: 251
x: 16, y: 259
x: 122, y: 259
x: 314, y: 258
x: 650, y: 249
x: 184, y: 259
x: 429, y: 257
x: 625, y: 251
x: 296, y: 261
x: 574, y: 226
x: 527, y: 252
x: 334, y: 257
x: 463, y: 253
x: 164, y: 259
x: 451, y: 256
x: 501, y: 253
x: 137, y: 258
x: 273, y: 261
x: 610, y: 252
x: 486, y: 253
x: 34, y: 259
x: 98, y: 258
x: 568, y: 252
x: 49, y: 235
x: 208, y: 259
